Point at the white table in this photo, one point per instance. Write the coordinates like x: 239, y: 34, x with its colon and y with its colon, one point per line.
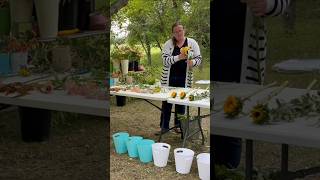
x: 299, y: 133
x: 298, y: 66
x: 205, y: 103
x: 60, y: 101
x: 57, y: 100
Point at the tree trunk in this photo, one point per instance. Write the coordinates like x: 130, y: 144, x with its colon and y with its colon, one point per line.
x: 117, y: 6
x: 289, y: 17
x: 148, y: 49
x: 176, y: 9
x: 158, y: 44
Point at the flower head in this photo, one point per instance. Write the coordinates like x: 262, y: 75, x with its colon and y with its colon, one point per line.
x: 232, y: 106
x: 185, y: 50
x: 260, y: 114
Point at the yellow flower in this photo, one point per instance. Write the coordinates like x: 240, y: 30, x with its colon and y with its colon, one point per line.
x: 24, y: 72
x: 157, y: 89
x: 191, y: 97
x: 232, y: 106
x: 173, y: 94
x: 260, y: 114
x: 185, y: 50
x: 182, y: 94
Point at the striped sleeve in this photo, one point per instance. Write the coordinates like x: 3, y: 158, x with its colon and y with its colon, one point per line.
x: 167, y: 58
x: 197, y: 56
x: 276, y: 7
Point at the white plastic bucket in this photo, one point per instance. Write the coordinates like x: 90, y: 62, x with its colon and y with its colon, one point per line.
x: 160, y: 152
x: 203, y: 161
x: 124, y: 66
x: 48, y: 15
x: 183, y: 158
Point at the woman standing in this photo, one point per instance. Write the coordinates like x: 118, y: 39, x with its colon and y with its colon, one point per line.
x: 177, y: 70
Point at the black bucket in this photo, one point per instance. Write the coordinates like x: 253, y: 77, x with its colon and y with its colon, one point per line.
x: 121, y: 100
x: 35, y: 124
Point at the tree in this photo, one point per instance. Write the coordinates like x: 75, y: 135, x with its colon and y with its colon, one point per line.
x: 150, y: 21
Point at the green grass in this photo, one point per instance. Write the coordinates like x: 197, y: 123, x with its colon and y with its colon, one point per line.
x: 202, y: 72
x: 302, y: 44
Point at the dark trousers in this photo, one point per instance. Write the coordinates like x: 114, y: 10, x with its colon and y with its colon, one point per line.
x: 166, y: 115
x: 228, y: 20
x: 166, y: 107
x: 226, y: 150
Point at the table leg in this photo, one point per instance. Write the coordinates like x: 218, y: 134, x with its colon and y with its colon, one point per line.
x: 249, y: 159
x: 186, y: 134
x: 162, y: 126
x: 284, y: 159
x: 200, y: 127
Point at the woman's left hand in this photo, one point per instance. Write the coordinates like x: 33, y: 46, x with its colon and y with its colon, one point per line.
x: 190, y: 63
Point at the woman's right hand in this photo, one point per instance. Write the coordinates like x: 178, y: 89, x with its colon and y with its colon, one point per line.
x: 182, y: 56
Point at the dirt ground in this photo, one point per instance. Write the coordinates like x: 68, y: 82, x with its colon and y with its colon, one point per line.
x: 140, y: 118
x: 77, y: 149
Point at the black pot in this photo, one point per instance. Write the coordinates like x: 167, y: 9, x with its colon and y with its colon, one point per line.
x: 121, y: 100
x: 35, y: 124
x: 68, y: 14
x: 133, y: 65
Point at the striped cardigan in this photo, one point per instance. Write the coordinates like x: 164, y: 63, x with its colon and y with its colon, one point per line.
x: 249, y: 72
x: 169, y: 60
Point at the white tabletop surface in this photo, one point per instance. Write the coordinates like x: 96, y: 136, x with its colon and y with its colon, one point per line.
x: 57, y: 100
x: 204, y: 103
x: 300, y: 132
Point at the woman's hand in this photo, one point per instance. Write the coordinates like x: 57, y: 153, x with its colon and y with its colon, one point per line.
x: 182, y: 56
x: 190, y: 63
x: 258, y: 7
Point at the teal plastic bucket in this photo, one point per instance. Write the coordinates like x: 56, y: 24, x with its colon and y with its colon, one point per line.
x: 145, y: 150
x: 132, y: 146
x: 119, y: 140
x: 5, y: 67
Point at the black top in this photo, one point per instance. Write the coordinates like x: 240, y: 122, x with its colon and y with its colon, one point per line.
x: 179, y: 69
x: 228, y: 24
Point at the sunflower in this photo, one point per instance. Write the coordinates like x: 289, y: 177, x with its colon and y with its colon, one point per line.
x: 232, y: 106
x: 260, y: 114
x: 182, y: 95
x: 185, y: 50
x: 191, y: 97
x: 173, y: 94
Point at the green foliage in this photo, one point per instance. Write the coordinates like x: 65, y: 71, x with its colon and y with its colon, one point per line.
x: 124, y: 51
x: 93, y: 52
x: 223, y: 173
x: 148, y: 76
x: 150, y: 21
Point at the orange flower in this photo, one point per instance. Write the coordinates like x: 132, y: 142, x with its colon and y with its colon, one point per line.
x: 232, y: 106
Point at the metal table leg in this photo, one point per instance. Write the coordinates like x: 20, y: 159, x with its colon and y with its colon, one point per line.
x: 186, y: 133
x: 284, y: 159
x: 200, y: 127
x: 249, y: 159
